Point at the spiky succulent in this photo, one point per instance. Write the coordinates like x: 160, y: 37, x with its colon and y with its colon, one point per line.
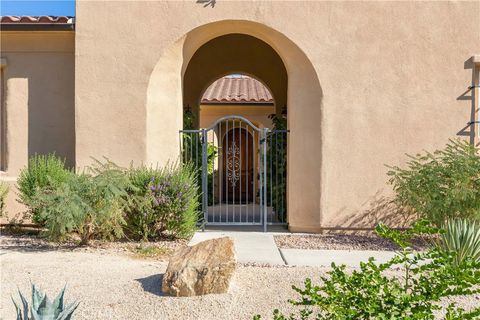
x: 44, y: 309
x: 462, y: 236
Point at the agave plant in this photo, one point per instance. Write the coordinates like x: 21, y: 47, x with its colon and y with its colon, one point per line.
x: 44, y: 309
x: 462, y: 236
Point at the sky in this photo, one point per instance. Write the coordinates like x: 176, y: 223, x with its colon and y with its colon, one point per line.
x: 37, y: 7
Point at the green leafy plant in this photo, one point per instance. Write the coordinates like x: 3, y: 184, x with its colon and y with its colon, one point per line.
x: 3, y: 197
x: 277, y: 167
x: 462, y: 238
x: 43, y: 309
x: 162, y: 202
x: 440, y: 185
x: 90, y: 204
x: 370, y: 293
x: 44, y: 172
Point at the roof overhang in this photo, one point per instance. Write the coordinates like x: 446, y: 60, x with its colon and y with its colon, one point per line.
x: 37, y: 27
x: 37, y: 23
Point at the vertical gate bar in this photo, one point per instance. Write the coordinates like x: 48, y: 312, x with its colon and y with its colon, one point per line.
x: 204, y: 178
x: 220, y: 168
x: 226, y: 167
x: 213, y: 168
x: 247, y: 172
x: 197, y: 136
x: 233, y: 168
x: 220, y: 171
x: 276, y: 173
x: 241, y: 188
x: 265, y: 180
x: 180, y: 145
x: 247, y: 176
x: 260, y: 170
x: 191, y: 148
x: 270, y: 178
x: 254, y: 173
x: 283, y: 178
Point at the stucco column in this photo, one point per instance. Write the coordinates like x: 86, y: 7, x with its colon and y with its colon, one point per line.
x: 16, y: 111
x: 16, y: 140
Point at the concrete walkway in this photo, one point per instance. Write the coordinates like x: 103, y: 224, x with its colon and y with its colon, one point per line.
x: 251, y: 247
x: 324, y: 258
x: 260, y: 247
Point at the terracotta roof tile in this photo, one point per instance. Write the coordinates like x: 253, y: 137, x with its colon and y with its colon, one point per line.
x: 237, y: 89
x: 36, y: 19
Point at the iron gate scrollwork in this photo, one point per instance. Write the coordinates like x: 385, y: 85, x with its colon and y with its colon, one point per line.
x: 242, y: 172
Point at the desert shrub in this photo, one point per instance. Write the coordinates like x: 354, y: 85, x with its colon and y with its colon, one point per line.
x: 368, y: 293
x: 462, y: 237
x: 3, y: 197
x: 44, y: 172
x: 90, y: 203
x: 440, y: 185
x: 140, y: 215
x: 162, y: 202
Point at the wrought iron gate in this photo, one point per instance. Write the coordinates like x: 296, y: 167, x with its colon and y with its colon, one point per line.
x: 242, y: 171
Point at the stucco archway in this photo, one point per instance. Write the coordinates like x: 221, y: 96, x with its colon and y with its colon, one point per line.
x: 234, y: 53
x: 304, y: 100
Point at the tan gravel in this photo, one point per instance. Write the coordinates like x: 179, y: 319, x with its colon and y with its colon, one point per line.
x: 113, y: 285
x: 366, y: 241
x: 119, y: 287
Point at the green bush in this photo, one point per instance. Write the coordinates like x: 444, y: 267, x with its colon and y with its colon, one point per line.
x: 3, y: 197
x: 368, y: 293
x: 440, y: 185
x: 44, y: 172
x: 462, y: 238
x: 90, y: 204
x: 162, y: 202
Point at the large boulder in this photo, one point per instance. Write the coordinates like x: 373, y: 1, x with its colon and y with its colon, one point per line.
x: 201, y: 269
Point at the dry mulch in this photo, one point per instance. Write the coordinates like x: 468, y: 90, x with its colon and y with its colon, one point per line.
x: 34, y: 242
x: 366, y: 241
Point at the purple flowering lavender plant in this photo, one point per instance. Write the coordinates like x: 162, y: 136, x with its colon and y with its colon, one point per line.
x: 163, y: 203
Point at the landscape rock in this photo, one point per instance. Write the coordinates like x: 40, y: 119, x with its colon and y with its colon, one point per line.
x: 202, y: 269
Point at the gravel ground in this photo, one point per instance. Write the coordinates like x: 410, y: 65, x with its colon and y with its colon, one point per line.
x: 367, y: 241
x: 113, y: 285
x: 34, y: 243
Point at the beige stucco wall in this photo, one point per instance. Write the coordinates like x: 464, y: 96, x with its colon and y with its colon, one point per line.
x: 367, y: 82
x: 38, y: 100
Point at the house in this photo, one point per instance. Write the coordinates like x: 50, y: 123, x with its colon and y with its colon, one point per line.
x: 359, y: 84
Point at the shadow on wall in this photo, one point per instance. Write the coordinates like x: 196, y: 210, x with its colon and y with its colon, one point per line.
x: 469, y: 95
x: 380, y: 208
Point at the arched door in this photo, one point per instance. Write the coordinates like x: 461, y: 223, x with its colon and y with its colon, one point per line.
x: 238, y: 157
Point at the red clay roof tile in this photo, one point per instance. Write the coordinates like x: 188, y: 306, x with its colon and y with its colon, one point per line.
x: 36, y: 19
x: 237, y: 89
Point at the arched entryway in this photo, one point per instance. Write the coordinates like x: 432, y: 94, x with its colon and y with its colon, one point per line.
x: 240, y: 79
x: 168, y: 87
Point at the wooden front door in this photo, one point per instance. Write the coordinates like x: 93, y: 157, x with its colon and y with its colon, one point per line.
x: 238, y: 168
